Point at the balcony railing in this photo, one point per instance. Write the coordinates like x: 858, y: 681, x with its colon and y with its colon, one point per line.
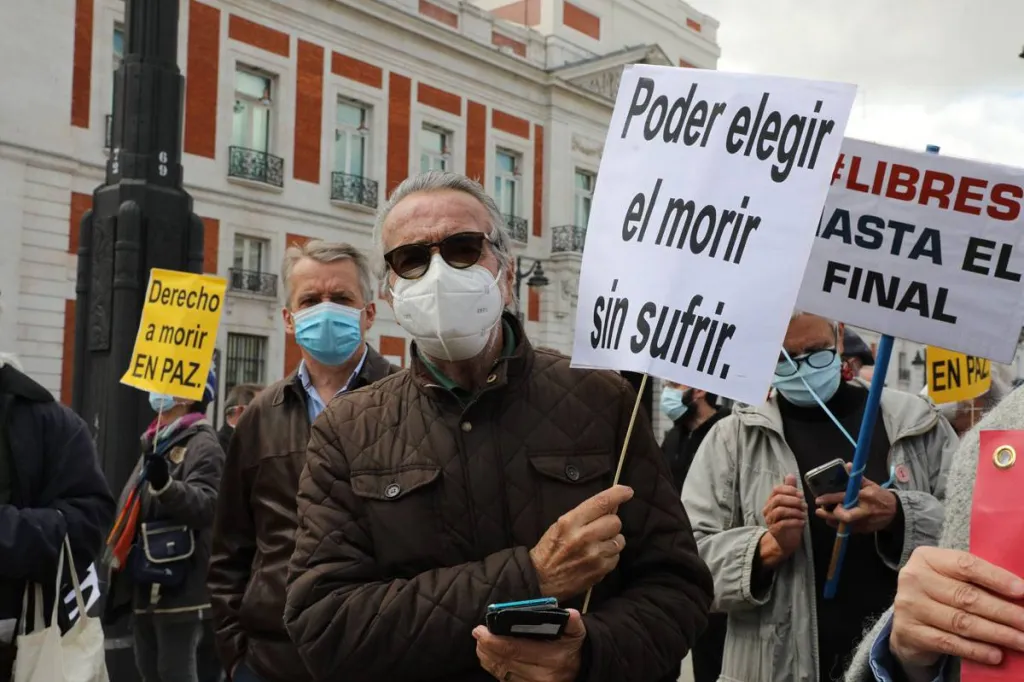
x: 518, y: 227
x: 108, y: 140
x: 353, y: 189
x: 252, y: 164
x: 568, y: 238
x: 253, y: 282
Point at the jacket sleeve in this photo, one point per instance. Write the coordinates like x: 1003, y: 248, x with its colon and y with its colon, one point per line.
x: 191, y: 500
x: 75, y: 500
x: 343, y: 613
x: 644, y: 630
x: 924, y: 510
x: 234, y: 542
x: 712, y: 502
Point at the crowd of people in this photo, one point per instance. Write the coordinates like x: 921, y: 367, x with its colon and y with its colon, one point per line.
x: 355, y: 519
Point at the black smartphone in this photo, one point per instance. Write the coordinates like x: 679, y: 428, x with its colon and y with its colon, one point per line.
x: 531, y: 619
x: 827, y: 479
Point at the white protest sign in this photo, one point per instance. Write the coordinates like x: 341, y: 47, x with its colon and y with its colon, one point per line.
x: 922, y: 247
x: 710, y: 189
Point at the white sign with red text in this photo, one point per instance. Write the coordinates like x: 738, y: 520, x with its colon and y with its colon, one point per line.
x: 922, y: 247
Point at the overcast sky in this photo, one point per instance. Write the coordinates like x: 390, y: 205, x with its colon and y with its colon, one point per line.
x: 944, y: 72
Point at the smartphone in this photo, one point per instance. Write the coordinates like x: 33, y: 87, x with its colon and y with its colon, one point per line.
x: 527, y: 604
x: 827, y: 479
x: 532, y: 619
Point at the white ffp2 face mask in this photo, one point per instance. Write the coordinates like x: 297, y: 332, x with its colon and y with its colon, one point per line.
x: 450, y: 312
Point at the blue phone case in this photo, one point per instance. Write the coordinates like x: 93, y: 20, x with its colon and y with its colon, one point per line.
x: 525, y: 604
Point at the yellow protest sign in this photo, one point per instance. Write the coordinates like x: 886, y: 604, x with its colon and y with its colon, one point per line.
x: 177, y: 333
x: 953, y: 377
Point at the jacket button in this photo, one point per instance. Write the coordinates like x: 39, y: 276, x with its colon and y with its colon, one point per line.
x: 392, y: 490
x: 572, y: 473
x: 491, y: 379
x: 466, y: 426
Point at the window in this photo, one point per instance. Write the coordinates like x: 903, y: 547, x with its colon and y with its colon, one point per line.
x: 506, y: 182
x: 351, y: 137
x: 435, y: 152
x: 250, y: 253
x: 246, y: 360
x: 252, y: 110
x: 118, y: 45
x: 584, y: 195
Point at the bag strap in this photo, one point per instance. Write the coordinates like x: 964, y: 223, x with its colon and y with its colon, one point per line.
x: 38, y: 621
x: 56, y: 589
x: 79, y: 599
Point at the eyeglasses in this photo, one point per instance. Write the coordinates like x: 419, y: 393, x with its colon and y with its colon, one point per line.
x: 819, y: 359
x: 460, y: 250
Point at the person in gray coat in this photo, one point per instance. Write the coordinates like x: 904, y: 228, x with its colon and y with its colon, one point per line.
x: 950, y: 605
x: 768, y: 540
x: 162, y: 578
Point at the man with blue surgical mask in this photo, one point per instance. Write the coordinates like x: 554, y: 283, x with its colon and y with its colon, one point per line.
x: 768, y: 540
x: 693, y: 412
x: 330, y: 291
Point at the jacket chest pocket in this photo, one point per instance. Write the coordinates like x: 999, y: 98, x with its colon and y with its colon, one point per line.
x: 565, y: 480
x: 404, y: 515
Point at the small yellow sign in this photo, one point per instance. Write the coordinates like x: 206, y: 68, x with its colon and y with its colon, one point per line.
x: 177, y: 333
x: 953, y: 377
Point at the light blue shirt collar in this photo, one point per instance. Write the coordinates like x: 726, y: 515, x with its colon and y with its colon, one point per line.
x: 315, y: 404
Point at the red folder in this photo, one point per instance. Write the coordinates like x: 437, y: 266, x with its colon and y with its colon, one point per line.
x: 997, y: 530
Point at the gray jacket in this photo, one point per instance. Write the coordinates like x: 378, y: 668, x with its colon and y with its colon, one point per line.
x: 956, y: 533
x: 773, y: 637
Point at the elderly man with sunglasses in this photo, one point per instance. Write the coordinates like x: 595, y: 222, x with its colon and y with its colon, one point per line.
x: 768, y: 539
x: 482, y: 475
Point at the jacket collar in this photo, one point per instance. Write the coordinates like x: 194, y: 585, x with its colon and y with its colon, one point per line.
x: 375, y: 367
x: 508, y: 369
x: 16, y: 383
x: 903, y: 414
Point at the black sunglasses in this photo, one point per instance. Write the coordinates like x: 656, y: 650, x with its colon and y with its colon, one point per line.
x: 460, y: 250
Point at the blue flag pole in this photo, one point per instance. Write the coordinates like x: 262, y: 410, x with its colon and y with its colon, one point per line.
x: 860, y: 460
x: 860, y: 454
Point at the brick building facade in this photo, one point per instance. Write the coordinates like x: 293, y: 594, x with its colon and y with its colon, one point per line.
x: 298, y: 118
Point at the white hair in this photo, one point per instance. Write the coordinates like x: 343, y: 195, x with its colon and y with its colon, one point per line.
x: 439, y: 181
x: 328, y: 252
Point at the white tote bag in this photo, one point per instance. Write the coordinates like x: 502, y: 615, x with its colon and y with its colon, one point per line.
x: 43, y: 655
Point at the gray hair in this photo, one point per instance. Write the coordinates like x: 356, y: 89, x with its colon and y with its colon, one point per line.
x: 439, y: 181
x: 241, y: 395
x: 328, y: 252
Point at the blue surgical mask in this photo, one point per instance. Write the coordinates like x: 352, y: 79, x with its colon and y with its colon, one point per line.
x: 824, y: 382
x: 161, y: 402
x: 673, y: 403
x: 329, y: 332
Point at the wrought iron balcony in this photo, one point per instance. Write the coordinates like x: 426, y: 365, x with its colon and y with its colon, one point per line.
x: 108, y: 140
x: 253, y: 282
x: 252, y: 164
x: 568, y: 238
x: 353, y: 189
x: 518, y: 227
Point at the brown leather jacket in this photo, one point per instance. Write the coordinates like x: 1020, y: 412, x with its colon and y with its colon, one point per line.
x: 416, y: 511
x: 255, y: 527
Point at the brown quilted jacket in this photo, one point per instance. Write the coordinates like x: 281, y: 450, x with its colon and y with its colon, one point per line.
x: 417, y: 511
x: 255, y: 526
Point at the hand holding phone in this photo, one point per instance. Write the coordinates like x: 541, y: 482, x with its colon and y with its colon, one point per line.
x: 828, y: 479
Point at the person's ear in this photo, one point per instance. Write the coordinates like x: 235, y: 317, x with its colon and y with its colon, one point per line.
x: 840, y: 330
x: 369, y: 315
x: 289, y: 322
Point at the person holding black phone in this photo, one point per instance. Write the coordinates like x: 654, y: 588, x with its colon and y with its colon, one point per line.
x: 479, y: 476
x: 768, y: 539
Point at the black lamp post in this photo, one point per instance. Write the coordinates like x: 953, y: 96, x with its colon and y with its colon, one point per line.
x: 537, y: 278
x: 141, y: 219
